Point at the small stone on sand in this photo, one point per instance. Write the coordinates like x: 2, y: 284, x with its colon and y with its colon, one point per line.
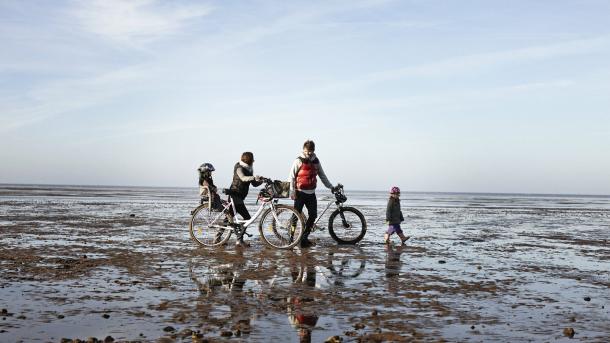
x: 334, y: 339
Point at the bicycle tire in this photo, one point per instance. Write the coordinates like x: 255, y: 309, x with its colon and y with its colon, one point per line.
x: 206, y: 226
x: 288, y: 233
x: 355, y: 230
x: 350, y: 264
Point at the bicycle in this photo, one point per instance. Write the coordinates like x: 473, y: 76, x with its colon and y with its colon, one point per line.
x: 213, y: 226
x: 352, y: 226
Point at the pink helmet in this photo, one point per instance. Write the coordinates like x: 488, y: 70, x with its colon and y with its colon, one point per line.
x: 394, y: 190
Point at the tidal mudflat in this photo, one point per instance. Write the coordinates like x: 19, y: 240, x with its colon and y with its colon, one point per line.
x: 117, y: 263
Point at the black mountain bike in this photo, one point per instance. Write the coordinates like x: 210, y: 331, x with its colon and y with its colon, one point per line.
x: 346, y: 225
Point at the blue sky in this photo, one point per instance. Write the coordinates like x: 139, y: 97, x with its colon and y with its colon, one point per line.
x: 483, y: 96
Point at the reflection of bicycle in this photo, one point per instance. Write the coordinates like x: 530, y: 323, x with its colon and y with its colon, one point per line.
x: 350, y: 227
x: 278, y: 227
x: 346, y: 263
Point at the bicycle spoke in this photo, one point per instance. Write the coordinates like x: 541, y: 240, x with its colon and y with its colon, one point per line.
x: 209, y: 228
x: 282, y: 227
x: 347, y: 225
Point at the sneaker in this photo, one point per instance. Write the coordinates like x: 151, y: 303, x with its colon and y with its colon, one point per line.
x: 241, y: 243
x: 218, y: 237
x: 306, y: 243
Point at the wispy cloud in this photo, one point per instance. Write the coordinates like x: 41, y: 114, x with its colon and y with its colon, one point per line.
x: 61, y: 96
x: 464, y: 64
x: 311, y: 14
x: 132, y: 22
x: 128, y: 20
x: 86, y: 78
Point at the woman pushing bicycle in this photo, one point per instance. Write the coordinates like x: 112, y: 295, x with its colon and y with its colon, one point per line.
x: 303, y: 178
x: 243, y: 177
x: 280, y: 226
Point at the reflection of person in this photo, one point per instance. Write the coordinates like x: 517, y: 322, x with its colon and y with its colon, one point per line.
x: 227, y: 278
x: 392, y: 266
x: 303, y: 180
x: 394, y: 217
x: 243, y: 176
x: 300, y: 311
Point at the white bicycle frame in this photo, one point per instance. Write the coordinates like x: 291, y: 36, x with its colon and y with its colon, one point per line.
x: 244, y: 222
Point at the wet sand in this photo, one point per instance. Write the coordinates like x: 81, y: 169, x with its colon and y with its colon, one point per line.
x: 77, y: 266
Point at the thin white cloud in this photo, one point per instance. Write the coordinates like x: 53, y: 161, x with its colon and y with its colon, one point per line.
x: 67, y: 95
x: 131, y: 22
x: 480, y: 61
x: 128, y: 20
x: 464, y: 64
x: 310, y: 14
x: 275, y: 114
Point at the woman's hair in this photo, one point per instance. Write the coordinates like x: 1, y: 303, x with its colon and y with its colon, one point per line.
x: 309, y: 145
x: 247, y: 157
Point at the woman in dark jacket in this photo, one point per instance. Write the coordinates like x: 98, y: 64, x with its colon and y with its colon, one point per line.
x: 243, y: 177
x: 393, y: 215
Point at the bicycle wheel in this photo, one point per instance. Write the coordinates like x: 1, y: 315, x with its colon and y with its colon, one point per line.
x: 281, y: 228
x: 349, y: 227
x: 209, y: 228
x: 344, y: 263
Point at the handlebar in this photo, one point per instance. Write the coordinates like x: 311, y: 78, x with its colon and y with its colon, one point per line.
x: 337, y: 188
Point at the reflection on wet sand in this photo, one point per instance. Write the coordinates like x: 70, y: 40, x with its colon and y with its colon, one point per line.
x: 301, y: 314
x: 241, y: 285
x: 392, y: 266
x: 94, y: 264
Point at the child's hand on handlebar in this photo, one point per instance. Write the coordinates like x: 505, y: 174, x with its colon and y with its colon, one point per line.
x: 259, y: 178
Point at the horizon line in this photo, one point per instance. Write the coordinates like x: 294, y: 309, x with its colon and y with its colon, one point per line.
x: 355, y: 190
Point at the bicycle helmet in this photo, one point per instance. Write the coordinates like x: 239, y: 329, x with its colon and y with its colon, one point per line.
x: 394, y: 190
x: 206, y: 167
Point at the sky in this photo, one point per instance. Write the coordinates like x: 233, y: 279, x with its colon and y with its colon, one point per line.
x: 427, y: 95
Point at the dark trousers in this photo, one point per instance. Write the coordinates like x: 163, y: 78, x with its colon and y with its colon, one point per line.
x: 240, y: 207
x: 311, y: 203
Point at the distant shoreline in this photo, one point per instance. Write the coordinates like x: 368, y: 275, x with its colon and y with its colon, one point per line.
x: 33, y: 185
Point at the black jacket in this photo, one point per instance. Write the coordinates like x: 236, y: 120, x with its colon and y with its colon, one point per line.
x: 238, y: 187
x: 393, y: 214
